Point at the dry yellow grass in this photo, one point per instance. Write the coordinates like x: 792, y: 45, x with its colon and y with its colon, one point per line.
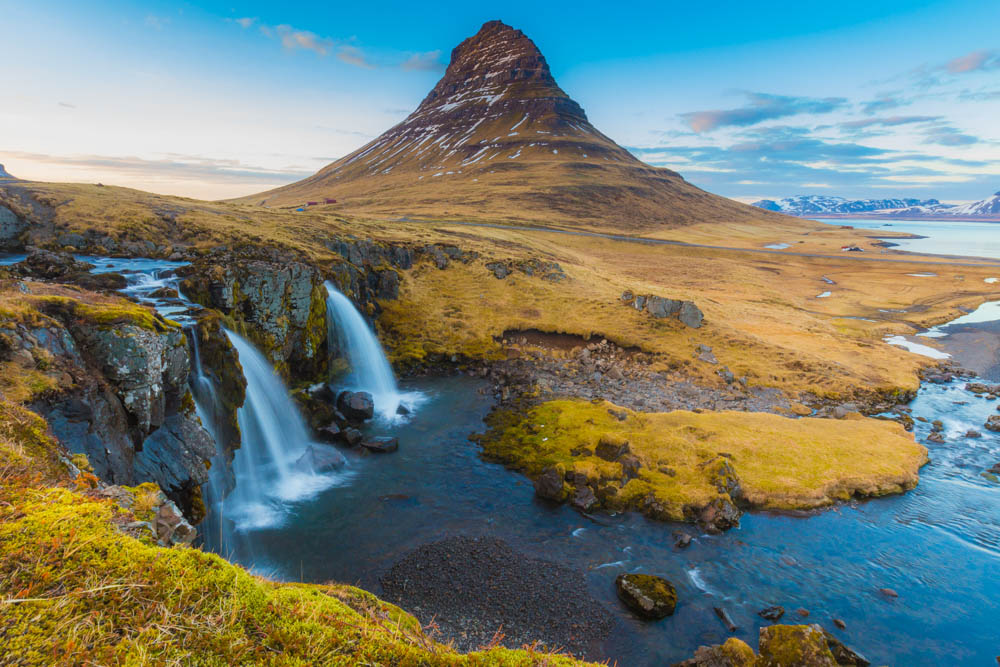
x: 687, y: 458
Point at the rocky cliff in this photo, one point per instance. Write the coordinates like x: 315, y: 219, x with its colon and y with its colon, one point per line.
x: 111, y: 379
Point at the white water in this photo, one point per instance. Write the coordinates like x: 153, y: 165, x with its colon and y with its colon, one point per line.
x: 370, y: 370
x: 274, y: 437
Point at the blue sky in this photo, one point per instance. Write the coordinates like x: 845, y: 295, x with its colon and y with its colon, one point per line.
x: 749, y: 100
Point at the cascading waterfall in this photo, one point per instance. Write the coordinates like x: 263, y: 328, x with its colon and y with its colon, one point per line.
x: 269, y: 469
x: 370, y: 370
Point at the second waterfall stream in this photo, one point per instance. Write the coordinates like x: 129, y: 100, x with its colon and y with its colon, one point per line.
x: 370, y: 370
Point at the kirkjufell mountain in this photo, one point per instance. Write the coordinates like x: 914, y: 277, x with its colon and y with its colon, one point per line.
x: 498, y: 138
x: 5, y: 175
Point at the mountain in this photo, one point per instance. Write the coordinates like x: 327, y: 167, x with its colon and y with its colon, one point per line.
x: 820, y: 205
x: 497, y: 138
x: 989, y: 206
x: 813, y: 204
x: 5, y: 175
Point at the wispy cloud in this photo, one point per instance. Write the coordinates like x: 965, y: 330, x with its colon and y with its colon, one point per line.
x: 352, y: 55
x: 761, y: 107
x: 156, y: 22
x: 888, y: 121
x: 293, y: 39
x: 946, y: 135
x: 66, y: 105
x: 424, y: 62
x: 977, y: 61
x: 191, y: 167
x: 883, y: 102
x: 245, y: 22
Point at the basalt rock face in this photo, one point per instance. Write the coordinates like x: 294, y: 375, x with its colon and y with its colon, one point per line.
x: 497, y: 138
x: 280, y: 302
x: 122, y: 400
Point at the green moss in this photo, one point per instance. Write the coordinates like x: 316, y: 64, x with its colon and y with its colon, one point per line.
x: 93, y: 595
x: 688, y: 461
x: 794, y: 645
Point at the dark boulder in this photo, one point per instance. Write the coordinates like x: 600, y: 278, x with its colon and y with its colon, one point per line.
x: 549, y: 485
x: 584, y: 499
x: 993, y: 423
x: 611, y: 447
x: 330, y: 433
x: 351, y: 437
x: 356, y: 406
x: 772, y: 613
x: 648, y: 596
x: 842, y: 654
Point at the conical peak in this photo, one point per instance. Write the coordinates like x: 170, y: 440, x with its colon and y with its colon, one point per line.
x: 497, y: 62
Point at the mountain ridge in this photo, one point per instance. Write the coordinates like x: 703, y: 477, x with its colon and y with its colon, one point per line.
x: 987, y: 209
x: 497, y: 138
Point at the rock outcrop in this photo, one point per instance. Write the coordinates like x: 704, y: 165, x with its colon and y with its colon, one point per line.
x: 120, y: 391
x: 660, y: 307
x: 780, y: 646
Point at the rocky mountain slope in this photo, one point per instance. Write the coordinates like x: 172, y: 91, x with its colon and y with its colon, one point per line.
x: 5, y: 175
x: 498, y: 138
x: 820, y: 205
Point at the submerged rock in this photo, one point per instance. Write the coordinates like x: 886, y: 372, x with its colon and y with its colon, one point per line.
x: 648, y: 596
x: 381, y: 444
x: 318, y: 458
x: 772, y: 613
x: 993, y: 423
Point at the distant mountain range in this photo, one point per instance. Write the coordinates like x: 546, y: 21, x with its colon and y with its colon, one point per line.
x: 813, y: 206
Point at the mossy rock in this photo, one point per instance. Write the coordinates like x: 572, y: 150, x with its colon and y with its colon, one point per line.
x: 794, y: 646
x: 647, y: 595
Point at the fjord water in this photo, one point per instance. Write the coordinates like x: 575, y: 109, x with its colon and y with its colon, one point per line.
x: 959, y: 238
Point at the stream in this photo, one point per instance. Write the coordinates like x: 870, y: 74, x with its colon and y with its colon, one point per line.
x: 938, y: 546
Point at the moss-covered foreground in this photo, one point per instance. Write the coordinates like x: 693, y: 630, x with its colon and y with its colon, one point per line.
x: 687, y: 460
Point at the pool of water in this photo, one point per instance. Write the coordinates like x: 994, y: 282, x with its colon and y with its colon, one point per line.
x: 937, y: 546
x: 970, y: 239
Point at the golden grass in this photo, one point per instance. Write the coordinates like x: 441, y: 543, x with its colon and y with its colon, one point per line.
x: 781, y: 463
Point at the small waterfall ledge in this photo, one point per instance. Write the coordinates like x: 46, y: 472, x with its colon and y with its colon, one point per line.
x: 370, y: 371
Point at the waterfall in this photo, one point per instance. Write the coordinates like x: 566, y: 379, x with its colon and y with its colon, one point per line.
x: 269, y: 466
x: 370, y: 370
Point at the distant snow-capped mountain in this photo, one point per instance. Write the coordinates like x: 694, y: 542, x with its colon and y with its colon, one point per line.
x: 812, y: 204
x: 819, y: 205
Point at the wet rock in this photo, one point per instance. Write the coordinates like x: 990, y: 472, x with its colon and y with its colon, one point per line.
x: 935, y: 437
x: 993, y: 423
x: 611, y: 447
x: 724, y: 617
x: 973, y: 433
x: 330, y: 433
x: 351, y: 437
x: 804, y: 613
x: 51, y: 265
x: 995, y: 469
x: 841, y: 653
x: 356, y: 406
x: 648, y: 596
x: 889, y: 593
x: 734, y: 653
x: 719, y: 515
x: 682, y: 540
x: 549, y: 485
x: 772, y: 613
x: 840, y: 624
x: 402, y: 410
x: 381, y: 444
x: 319, y: 459
x: 789, y: 645
x: 584, y: 499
